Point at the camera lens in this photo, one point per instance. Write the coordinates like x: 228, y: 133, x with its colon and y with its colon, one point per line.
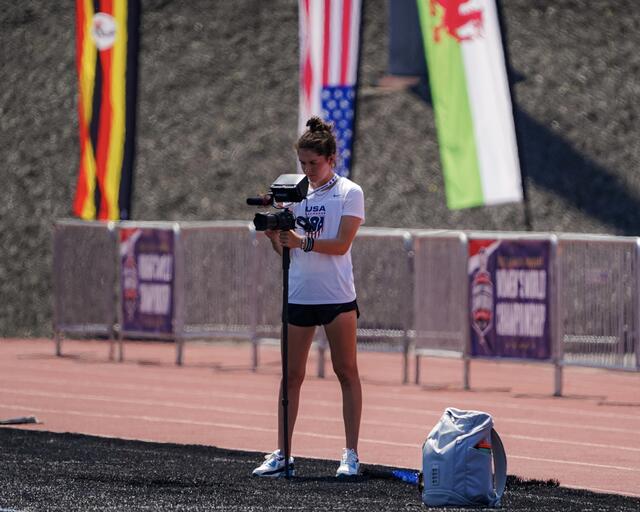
x: 261, y: 221
x: 282, y: 221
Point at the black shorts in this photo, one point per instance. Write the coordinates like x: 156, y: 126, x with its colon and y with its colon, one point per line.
x: 309, y: 315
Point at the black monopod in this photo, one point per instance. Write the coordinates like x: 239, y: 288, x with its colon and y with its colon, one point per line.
x: 285, y: 354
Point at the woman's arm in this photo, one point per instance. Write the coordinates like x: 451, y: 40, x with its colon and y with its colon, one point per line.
x: 334, y: 246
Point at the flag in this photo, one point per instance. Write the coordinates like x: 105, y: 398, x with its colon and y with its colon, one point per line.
x: 329, y: 44
x: 472, y: 102
x: 106, y: 64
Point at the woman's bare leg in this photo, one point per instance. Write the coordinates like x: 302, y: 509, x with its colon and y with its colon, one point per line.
x: 341, y: 334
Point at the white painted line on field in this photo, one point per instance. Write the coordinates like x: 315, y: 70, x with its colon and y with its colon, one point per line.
x: 371, y: 393
x: 523, y: 406
x: 574, y: 443
x: 409, y: 411
x: 575, y: 463
x: 152, y: 419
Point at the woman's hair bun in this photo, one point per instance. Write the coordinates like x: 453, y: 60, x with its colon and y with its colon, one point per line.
x: 315, y: 124
x: 318, y: 137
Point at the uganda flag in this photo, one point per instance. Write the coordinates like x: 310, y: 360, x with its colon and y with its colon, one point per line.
x: 107, y: 62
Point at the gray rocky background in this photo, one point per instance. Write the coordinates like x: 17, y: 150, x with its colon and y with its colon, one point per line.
x: 218, y: 115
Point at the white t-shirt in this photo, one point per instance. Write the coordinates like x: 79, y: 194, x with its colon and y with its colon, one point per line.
x: 316, y: 278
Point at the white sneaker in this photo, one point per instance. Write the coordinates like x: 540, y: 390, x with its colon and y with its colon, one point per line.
x: 273, y: 466
x: 349, y: 464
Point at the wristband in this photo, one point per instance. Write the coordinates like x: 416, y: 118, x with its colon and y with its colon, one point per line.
x: 307, y: 244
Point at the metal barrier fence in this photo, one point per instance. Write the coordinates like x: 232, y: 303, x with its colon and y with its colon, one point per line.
x: 268, y: 288
x: 216, y: 261
x: 599, y: 301
x: 440, y: 322
x: 412, y: 290
x: 383, y: 276
x: 84, y: 276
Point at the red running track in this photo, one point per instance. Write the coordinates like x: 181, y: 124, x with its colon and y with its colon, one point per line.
x: 589, y: 439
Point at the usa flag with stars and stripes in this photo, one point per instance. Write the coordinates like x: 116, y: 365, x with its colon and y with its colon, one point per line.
x: 329, y: 43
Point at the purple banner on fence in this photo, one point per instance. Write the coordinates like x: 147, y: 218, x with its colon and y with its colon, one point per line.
x: 509, y: 298
x: 147, y: 271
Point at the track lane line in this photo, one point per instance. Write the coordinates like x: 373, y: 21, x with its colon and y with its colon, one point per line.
x: 304, y: 417
x: 154, y: 403
x: 400, y: 396
x: 403, y: 397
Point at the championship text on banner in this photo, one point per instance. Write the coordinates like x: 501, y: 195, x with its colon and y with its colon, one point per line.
x: 472, y: 102
x: 329, y: 47
x: 147, y: 280
x: 509, y: 298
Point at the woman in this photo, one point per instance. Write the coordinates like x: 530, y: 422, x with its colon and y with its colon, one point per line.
x: 321, y: 289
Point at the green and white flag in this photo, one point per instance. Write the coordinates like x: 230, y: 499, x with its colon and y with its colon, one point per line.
x: 472, y: 103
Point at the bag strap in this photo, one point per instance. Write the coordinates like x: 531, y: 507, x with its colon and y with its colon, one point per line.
x: 499, y: 465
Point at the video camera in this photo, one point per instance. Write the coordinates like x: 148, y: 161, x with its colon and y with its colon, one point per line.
x: 288, y: 188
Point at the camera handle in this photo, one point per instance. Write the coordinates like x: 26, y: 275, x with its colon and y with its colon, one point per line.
x: 284, y: 347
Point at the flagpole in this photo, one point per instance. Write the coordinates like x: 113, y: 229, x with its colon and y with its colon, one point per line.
x: 528, y: 221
